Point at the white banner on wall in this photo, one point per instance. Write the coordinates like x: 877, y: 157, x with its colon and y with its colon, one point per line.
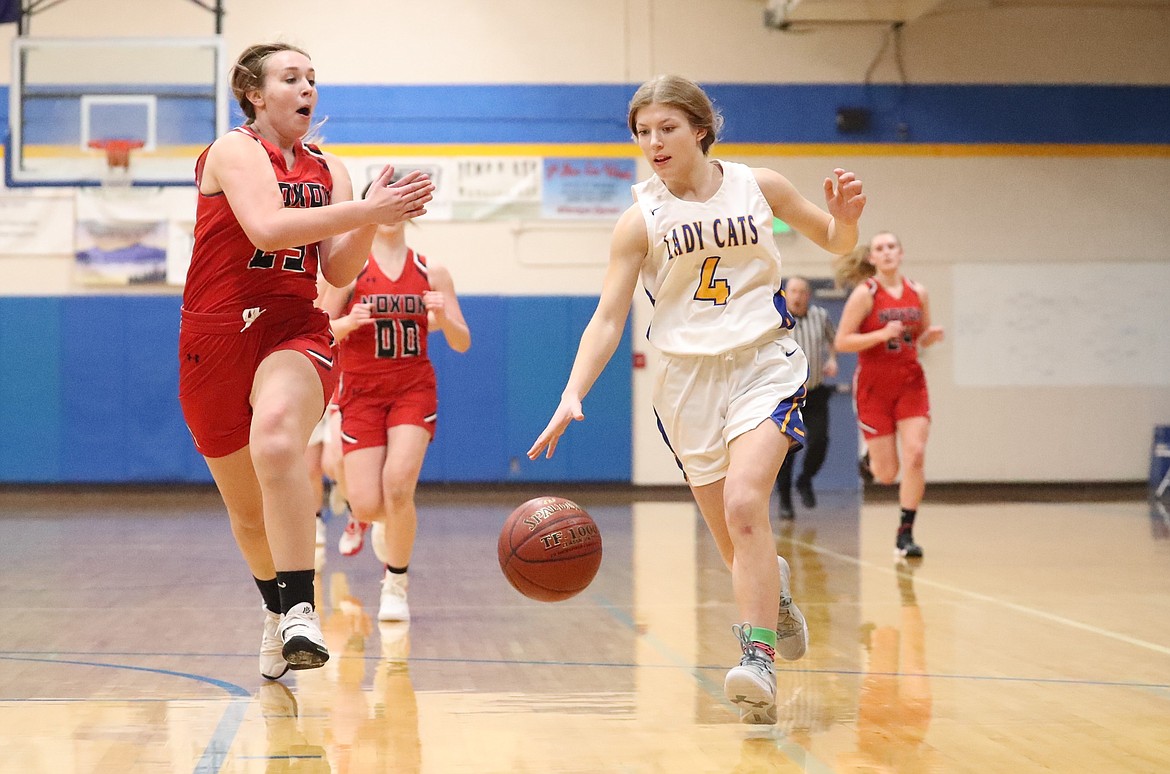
x: 120, y: 236
x: 132, y: 236
x: 32, y: 224
x: 1061, y: 324
x: 466, y: 187
x: 513, y: 187
x: 587, y: 188
x: 498, y: 188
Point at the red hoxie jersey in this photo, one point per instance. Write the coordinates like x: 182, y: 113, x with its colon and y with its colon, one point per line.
x: 908, y: 309
x: 228, y: 273
x: 398, y: 337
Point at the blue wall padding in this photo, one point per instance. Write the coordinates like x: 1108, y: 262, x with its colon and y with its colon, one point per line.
x: 119, y: 392
x: 470, y: 443
x: 88, y: 393
x: 31, y: 418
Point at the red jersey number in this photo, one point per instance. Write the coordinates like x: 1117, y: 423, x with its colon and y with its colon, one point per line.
x: 396, y: 338
x: 291, y: 259
x: 895, y: 344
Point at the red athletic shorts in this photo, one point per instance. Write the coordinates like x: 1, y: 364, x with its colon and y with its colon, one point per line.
x: 218, y: 358
x: 373, y: 403
x: 882, y: 401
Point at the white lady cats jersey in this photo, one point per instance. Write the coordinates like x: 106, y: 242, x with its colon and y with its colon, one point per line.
x: 713, y: 272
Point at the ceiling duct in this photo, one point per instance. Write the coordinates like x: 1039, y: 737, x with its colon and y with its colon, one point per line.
x: 783, y: 14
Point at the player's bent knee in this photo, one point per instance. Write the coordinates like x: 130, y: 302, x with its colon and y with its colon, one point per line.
x: 366, y: 510
x: 274, y: 453
x: 248, y: 528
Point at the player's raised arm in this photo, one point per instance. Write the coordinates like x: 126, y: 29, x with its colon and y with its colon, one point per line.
x: 834, y: 230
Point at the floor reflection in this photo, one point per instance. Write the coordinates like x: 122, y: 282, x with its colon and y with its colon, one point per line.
x: 289, y: 749
x: 364, y: 712
x: 1023, y: 660
x: 895, y: 704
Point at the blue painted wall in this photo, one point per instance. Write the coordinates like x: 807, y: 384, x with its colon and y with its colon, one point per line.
x: 89, y: 384
x: 756, y: 113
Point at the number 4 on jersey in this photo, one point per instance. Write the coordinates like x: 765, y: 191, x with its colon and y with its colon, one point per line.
x: 711, y: 289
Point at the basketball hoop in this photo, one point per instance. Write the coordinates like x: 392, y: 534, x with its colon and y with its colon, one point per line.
x: 117, y: 158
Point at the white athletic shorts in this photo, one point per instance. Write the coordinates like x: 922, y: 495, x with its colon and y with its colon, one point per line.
x: 704, y: 402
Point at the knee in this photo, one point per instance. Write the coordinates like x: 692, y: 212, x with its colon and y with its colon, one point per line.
x: 399, y: 497
x: 275, y: 447
x: 914, y: 457
x: 365, y: 507
x: 742, y: 513
x: 884, y: 472
x: 248, y: 527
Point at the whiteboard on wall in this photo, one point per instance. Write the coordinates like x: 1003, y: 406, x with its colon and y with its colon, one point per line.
x: 1061, y: 324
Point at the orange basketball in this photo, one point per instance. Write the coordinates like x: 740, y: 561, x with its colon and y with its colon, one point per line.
x: 550, y: 549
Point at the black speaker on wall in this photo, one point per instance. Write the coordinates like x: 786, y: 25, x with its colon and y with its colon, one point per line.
x: 851, y: 120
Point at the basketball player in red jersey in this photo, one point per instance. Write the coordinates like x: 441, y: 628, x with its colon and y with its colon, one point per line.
x: 886, y: 321
x: 255, y: 357
x: 388, y: 397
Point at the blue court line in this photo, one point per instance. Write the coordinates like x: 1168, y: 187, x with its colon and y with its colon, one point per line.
x: 225, y: 731
x: 621, y: 616
x: 230, y: 688
x: 842, y: 672
x: 222, y: 737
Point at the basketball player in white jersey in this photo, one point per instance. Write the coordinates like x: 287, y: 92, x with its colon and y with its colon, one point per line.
x: 731, y: 380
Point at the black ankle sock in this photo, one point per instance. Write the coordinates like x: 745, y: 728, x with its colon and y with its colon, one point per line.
x: 907, y: 519
x: 271, y: 593
x: 296, y: 586
x: 397, y: 570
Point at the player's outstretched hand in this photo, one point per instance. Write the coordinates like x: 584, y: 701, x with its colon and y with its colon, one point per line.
x: 401, y: 200
x: 933, y: 335
x: 844, y: 198
x: 568, y: 410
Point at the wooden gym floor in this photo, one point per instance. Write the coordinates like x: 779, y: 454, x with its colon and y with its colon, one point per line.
x: 1035, y: 636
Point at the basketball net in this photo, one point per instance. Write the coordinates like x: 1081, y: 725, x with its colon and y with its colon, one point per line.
x: 117, y: 175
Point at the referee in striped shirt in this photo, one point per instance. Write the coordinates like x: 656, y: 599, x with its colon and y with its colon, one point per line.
x: 814, y: 333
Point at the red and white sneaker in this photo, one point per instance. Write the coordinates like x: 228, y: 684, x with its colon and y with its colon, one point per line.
x: 353, y: 538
